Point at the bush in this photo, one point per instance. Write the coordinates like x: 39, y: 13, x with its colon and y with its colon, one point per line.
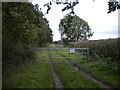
x: 108, y: 48
x: 23, y: 27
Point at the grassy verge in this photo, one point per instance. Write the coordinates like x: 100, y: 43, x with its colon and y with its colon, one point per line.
x: 102, y: 70
x: 72, y: 78
x: 33, y: 75
x: 107, y: 72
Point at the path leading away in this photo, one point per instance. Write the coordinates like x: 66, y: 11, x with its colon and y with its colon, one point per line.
x: 93, y: 78
x: 56, y: 79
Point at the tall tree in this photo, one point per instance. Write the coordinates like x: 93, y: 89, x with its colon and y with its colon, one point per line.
x: 23, y: 28
x: 73, y: 29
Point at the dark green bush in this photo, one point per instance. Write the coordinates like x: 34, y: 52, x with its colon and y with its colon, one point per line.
x: 23, y: 27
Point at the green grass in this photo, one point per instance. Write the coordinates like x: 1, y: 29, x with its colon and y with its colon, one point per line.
x: 38, y: 75
x: 34, y: 75
x: 70, y: 77
x: 102, y: 70
x: 99, y: 68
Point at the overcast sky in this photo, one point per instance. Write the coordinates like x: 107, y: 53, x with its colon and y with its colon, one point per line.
x: 102, y: 24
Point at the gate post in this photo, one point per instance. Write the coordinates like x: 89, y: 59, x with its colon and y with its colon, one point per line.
x: 88, y: 56
x: 69, y: 53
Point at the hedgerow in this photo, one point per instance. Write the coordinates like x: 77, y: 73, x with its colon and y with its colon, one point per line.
x: 108, y: 48
x: 23, y: 27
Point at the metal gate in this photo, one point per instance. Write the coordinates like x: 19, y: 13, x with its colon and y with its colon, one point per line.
x: 58, y: 53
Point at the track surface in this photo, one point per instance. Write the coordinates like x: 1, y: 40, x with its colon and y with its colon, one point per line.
x: 93, y: 78
x: 57, y: 80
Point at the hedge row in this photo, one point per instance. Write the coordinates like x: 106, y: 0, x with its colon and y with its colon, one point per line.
x: 23, y: 27
x: 102, y: 48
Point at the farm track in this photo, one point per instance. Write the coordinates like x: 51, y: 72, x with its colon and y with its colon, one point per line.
x: 89, y: 75
x: 56, y: 79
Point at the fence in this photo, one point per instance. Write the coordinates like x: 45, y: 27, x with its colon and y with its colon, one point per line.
x: 57, y: 53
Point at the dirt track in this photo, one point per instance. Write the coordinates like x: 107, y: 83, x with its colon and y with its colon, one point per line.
x: 89, y: 75
x: 56, y: 79
x: 59, y: 84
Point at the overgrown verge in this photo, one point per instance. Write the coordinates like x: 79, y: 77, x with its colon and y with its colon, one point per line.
x: 23, y: 27
x: 31, y: 75
x: 107, y: 73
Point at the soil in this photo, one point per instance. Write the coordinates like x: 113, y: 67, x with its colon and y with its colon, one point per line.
x: 56, y: 79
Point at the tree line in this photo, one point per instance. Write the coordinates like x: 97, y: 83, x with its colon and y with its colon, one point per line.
x: 23, y: 27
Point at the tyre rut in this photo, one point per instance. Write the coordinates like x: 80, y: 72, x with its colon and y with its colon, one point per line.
x: 89, y: 75
x: 57, y: 82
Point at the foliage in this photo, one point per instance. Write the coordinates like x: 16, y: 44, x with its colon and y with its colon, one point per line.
x: 108, y: 48
x: 58, y: 42
x: 23, y: 28
x: 69, y: 5
x: 113, y: 6
x: 55, y: 42
x: 73, y: 29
